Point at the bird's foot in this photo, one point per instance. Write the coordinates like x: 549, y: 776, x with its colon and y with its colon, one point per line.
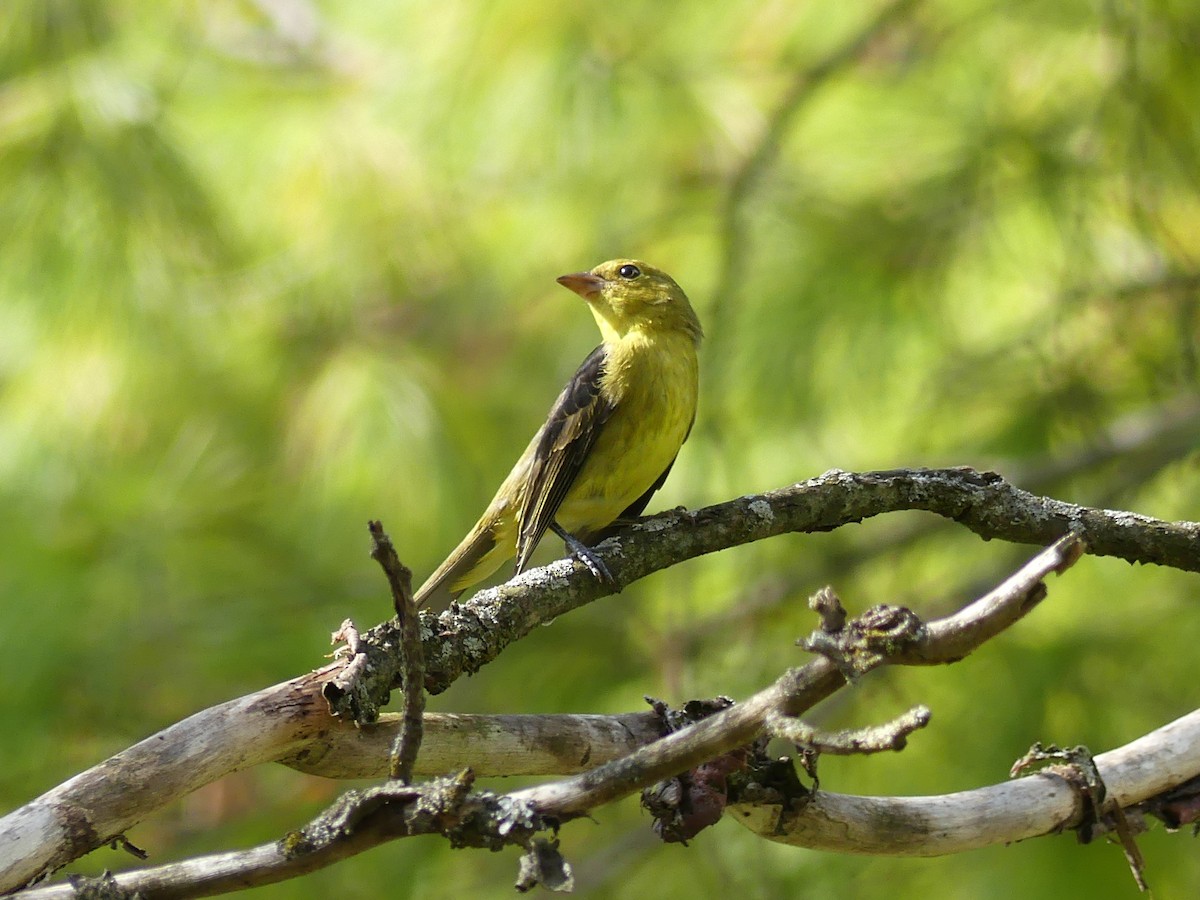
x: 595, y: 565
x: 584, y: 554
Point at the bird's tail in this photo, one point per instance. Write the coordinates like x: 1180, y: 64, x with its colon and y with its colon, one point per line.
x: 477, y: 557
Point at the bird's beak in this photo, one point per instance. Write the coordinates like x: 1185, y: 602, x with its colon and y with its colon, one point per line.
x: 585, y: 284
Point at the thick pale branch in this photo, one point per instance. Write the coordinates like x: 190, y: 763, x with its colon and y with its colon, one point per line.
x: 998, y: 814
x: 290, y: 722
x: 561, y: 744
x: 96, y: 806
x: 897, y: 826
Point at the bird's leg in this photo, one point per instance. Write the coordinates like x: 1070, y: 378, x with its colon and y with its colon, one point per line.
x: 584, y: 554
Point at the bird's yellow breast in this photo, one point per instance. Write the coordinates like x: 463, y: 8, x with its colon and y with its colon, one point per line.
x: 652, y: 384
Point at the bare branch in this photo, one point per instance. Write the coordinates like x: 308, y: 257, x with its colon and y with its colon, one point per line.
x: 1010, y: 811
x: 1144, y: 441
x: 96, y: 806
x: 968, y: 820
x: 291, y: 722
x: 501, y: 745
x: 358, y: 821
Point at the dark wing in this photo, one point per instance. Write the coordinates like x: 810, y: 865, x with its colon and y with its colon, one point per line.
x: 567, y: 439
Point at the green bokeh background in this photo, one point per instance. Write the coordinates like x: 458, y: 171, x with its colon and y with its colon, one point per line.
x: 269, y: 269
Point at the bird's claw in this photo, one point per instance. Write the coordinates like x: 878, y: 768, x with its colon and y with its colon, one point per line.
x: 595, y: 565
x: 580, y: 551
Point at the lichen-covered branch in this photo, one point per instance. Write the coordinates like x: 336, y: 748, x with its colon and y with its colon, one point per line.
x: 358, y: 821
x: 468, y: 636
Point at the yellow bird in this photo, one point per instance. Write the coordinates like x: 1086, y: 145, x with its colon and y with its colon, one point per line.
x: 611, y: 437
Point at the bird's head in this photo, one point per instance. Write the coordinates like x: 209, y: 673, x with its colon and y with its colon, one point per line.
x: 628, y: 295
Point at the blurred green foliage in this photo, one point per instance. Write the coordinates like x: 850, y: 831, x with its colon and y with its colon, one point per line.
x: 269, y: 269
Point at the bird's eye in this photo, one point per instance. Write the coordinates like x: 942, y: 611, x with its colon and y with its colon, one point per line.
x: 630, y: 272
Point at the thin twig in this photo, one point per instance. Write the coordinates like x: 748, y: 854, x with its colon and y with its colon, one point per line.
x: 399, y: 576
x: 826, y: 604
x: 346, y: 678
x: 891, y: 735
